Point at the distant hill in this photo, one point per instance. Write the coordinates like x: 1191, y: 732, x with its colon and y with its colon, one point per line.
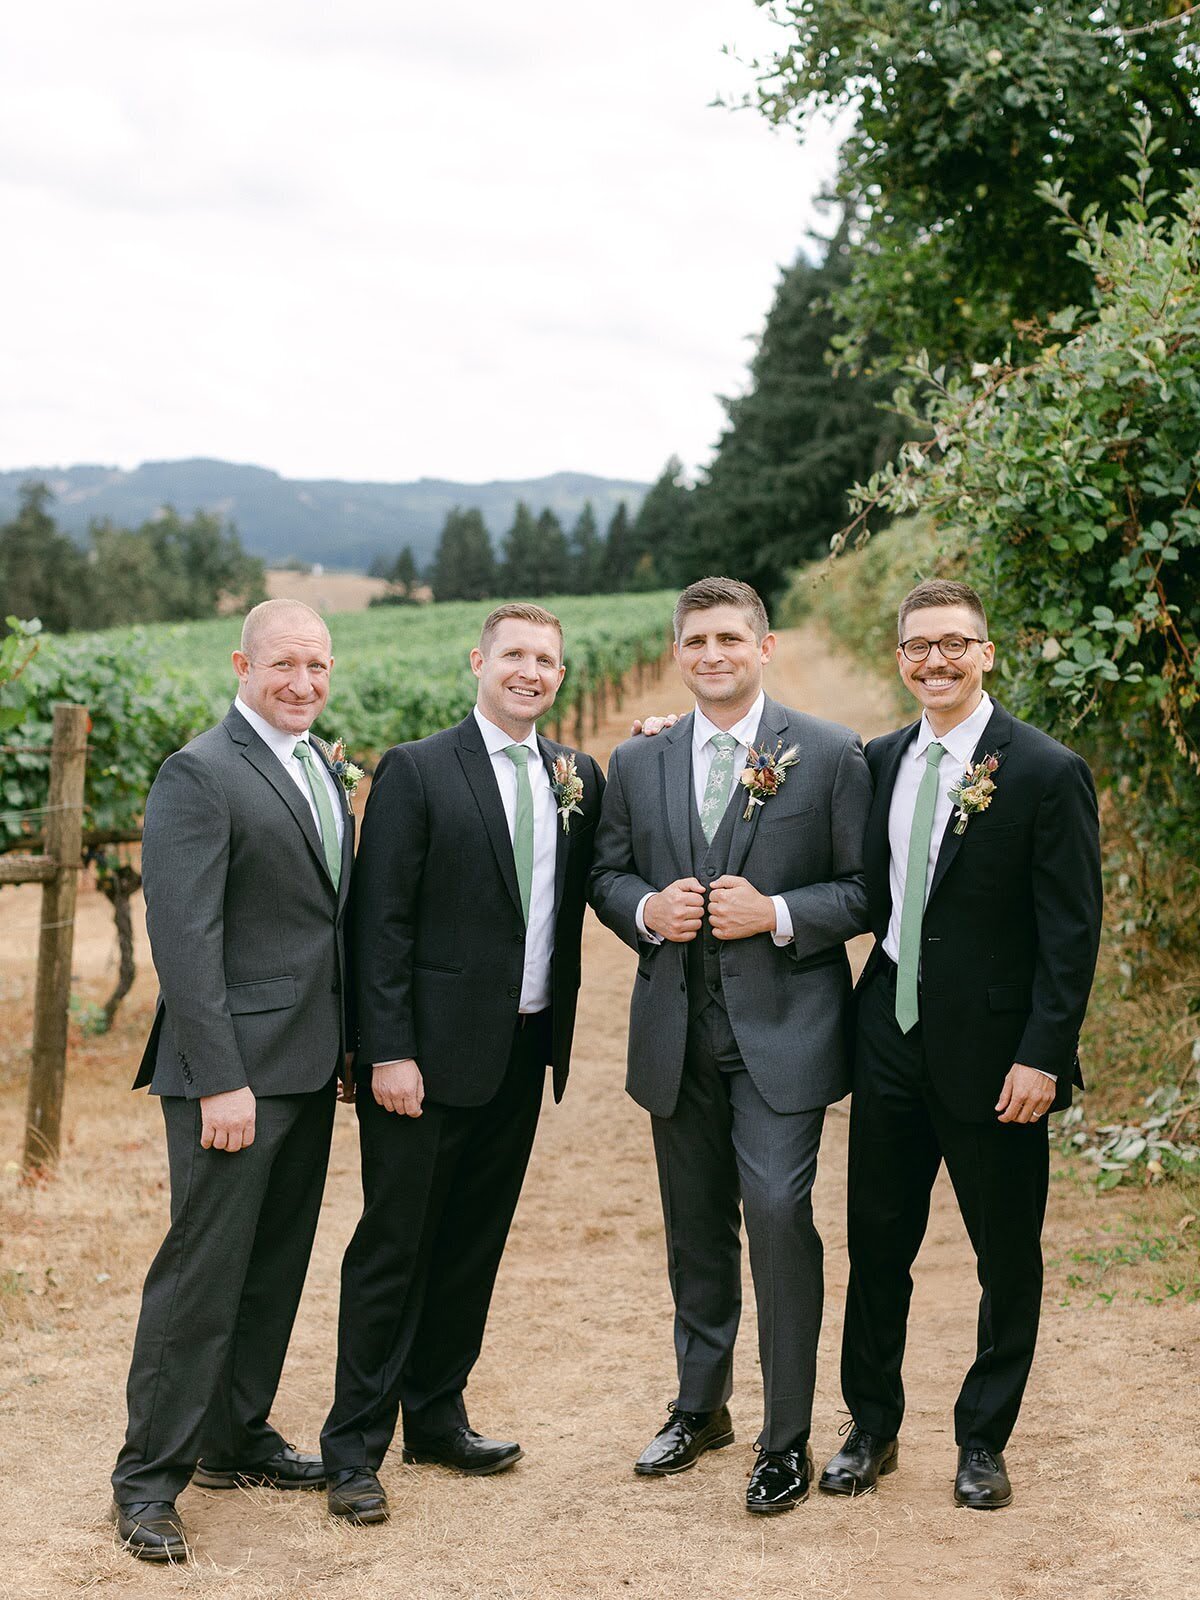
x: 339, y: 524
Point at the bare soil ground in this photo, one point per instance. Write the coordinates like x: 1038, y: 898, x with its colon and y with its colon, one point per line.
x: 326, y: 592
x: 578, y: 1362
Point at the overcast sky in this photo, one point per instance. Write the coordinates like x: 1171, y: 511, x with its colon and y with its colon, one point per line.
x: 383, y: 239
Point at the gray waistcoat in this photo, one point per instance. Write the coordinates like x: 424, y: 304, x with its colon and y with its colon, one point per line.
x: 709, y: 861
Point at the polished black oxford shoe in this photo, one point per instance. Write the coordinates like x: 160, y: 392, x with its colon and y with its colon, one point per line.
x: 463, y: 1450
x: 781, y: 1480
x: 683, y: 1439
x: 981, y: 1483
x: 150, y: 1530
x: 357, y: 1496
x: 286, y: 1469
x: 860, y: 1463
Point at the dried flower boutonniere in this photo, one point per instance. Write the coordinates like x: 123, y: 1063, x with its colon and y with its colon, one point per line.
x: 568, y: 789
x: 764, y: 773
x: 973, y: 792
x: 347, y: 773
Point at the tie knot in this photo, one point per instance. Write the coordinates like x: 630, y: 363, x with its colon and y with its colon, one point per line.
x: 518, y: 754
x: 303, y: 751
x: 933, y: 756
x: 724, y: 742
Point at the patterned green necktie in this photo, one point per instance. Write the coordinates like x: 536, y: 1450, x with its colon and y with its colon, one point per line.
x: 518, y: 754
x: 716, y: 790
x: 320, y: 794
x: 913, y: 909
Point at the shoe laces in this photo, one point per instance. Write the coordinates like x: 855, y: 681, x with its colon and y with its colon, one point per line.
x: 977, y: 1456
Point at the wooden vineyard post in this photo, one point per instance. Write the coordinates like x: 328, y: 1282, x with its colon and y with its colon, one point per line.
x: 64, y: 837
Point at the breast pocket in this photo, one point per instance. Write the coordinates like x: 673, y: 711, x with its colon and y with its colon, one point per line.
x: 789, y: 819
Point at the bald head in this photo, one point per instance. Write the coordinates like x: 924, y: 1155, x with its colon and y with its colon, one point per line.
x: 270, y: 615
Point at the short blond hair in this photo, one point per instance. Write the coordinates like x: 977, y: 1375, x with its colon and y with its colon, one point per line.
x: 260, y: 617
x: 519, y: 611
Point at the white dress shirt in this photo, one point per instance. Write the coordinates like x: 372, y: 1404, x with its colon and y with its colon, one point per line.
x: 703, y: 755
x: 960, y: 745
x: 283, y: 747
x: 539, y: 935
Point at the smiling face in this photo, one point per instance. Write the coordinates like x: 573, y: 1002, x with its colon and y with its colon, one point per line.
x: 948, y: 690
x: 519, y: 675
x: 722, y: 660
x: 285, y: 678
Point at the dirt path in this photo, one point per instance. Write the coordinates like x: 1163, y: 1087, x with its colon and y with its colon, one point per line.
x: 578, y: 1364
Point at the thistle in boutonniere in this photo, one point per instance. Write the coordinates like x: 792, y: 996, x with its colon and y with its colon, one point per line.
x: 347, y: 773
x: 973, y: 792
x: 764, y: 773
x: 568, y: 789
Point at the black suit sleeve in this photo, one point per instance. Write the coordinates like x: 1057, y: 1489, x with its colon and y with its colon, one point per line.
x: 383, y: 909
x: 1068, y: 900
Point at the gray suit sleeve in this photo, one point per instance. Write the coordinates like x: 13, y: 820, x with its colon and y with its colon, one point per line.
x: 185, y: 861
x: 827, y: 914
x: 616, y: 890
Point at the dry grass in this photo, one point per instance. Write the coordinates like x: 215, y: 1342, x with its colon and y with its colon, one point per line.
x: 578, y: 1364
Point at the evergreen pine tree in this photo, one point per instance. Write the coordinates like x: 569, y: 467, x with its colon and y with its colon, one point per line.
x: 464, y: 567
x: 618, y: 554
x: 586, y: 552
x: 519, y: 567
x: 43, y: 573
x: 662, y: 530
x: 554, y: 561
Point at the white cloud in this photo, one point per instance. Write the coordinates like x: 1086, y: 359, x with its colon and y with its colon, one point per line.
x: 374, y: 241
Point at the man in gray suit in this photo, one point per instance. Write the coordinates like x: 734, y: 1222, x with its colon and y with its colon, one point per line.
x: 246, y: 855
x: 738, y: 900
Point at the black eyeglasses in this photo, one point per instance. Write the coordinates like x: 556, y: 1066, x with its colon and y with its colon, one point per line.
x: 951, y: 645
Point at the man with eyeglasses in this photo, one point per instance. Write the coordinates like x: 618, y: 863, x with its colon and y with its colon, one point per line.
x: 246, y: 856
x: 983, y: 880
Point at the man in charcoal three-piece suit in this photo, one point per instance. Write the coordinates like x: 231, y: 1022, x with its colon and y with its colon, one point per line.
x: 986, y: 918
x: 738, y: 1021
x: 246, y: 859
x: 467, y: 915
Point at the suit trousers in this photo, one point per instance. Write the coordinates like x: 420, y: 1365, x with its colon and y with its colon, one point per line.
x: 439, y: 1193
x: 222, y: 1292
x: 900, y: 1132
x: 724, y: 1151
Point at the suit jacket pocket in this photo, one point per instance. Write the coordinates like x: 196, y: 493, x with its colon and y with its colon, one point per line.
x: 435, y: 966
x: 266, y: 994
x: 782, y: 820
x: 1009, y: 997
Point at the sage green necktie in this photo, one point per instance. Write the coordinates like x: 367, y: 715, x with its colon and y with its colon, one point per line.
x: 320, y: 794
x: 915, y: 876
x: 716, y: 790
x: 518, y: 754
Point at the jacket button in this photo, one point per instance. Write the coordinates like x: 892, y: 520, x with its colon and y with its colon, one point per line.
x: 513, y: 992
x: 683, y: 988
x: 519, y: 938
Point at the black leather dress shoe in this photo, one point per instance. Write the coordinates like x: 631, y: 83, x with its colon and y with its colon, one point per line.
x: 356, y: 1495
x: 683, y: 1439
x: 860, y: 1463
x: 150, y: 1530
x: 781, y: 1479
x: 463, y: 1450
x: 286, y: 1469
x: 981, y: 1483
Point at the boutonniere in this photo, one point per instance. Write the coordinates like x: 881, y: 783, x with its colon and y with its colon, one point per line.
x: 973, y: 792
x: 568, y: 789
x: 348, y: 774
x: 765, y: 773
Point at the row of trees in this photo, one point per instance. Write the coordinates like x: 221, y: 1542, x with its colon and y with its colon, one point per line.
x: 168, y: 570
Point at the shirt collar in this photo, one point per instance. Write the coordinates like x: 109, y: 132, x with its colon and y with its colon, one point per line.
x: 961, y: 740
x: 498, y: 741
x: 278, y: 741
x: 743, y: 731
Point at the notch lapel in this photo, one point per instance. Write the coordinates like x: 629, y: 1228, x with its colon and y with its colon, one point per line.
x: 269, y: 766
x: 772, y: 726
x: 995, y: 736
x: 477, y: 768
x: 562, y: 839
x: 676, y: 776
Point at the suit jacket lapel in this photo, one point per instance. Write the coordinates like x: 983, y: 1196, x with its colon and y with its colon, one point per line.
x: 562, y: 842
x: 995, y: 736
x: 676, y: 770
x: 772, y: 726
x: 877, y: 851
x: 271, y: 768
x: 477, y: 767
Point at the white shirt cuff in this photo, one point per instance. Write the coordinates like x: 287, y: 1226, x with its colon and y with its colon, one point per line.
x: 784, y: 933
x: 1053, y: 1076
x: 643, y: 930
